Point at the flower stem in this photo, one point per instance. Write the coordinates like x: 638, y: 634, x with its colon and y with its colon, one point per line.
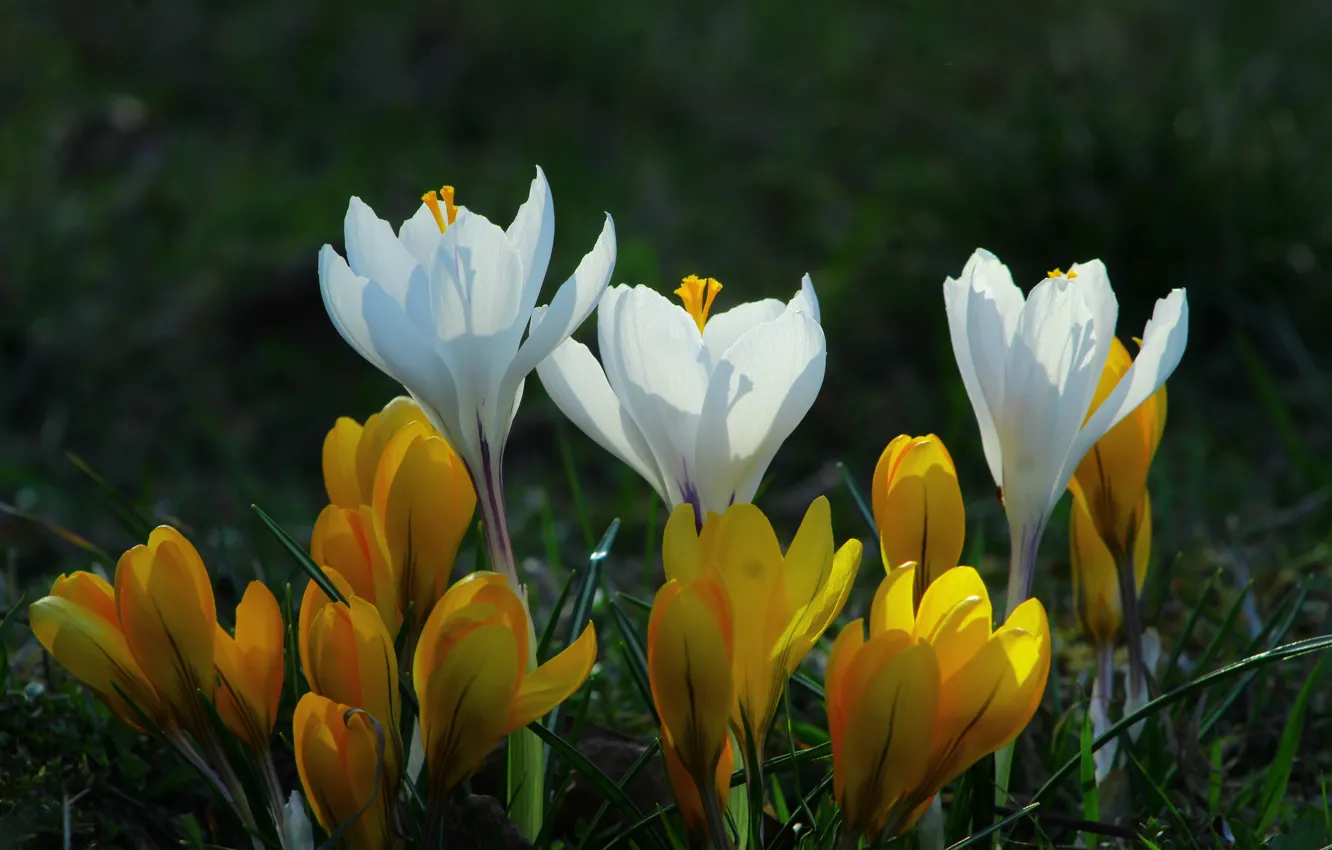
x: 1025, y: 541
x: 1135, y: 684
x: 707, y: 792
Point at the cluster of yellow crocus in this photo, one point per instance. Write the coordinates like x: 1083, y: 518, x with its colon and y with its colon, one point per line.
x: 1111, y: 520
x: 152, y: 649
x: 401, y: 501
x: 472, y: 687
x: 927, y: 694
x: 734, y: 620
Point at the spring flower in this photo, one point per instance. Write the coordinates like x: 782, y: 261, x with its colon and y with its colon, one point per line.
x: 79, y: 625
x: 781, y: 603
x: 471, y: 677
x: 1096, y: 592
x: 918, y: 508
x: 169, y: 619
x: 1031, y: 367
x: 927, y: 694
x: 441, y: 307
x: 416, y: 505
x: 696, y: 406
x: 249, y: 667
x: 350, y: 659
x: 337, y: 751
x: 691, y: 643
x: 296, y: 831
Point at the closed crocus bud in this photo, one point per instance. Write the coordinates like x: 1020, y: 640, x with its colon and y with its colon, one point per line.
x: 918, y: 508
x: 79, y: 625
x: 424, y: 500
x: 249, y: 667
x: 471, y: 678
x: 337, y: 751
x: 169, y: 619
x: 351, y: 541
x: 782, y: 603
x: 352, y: 661
x: 1095, y: 580
x: 1112, y: 477
x: 312, y: 602
x: 352, y: 451
x: 955, y: 690
x: 691, y: 644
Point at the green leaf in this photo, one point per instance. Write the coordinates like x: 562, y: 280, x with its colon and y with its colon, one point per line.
x: 301, y: 557
x: 606, y: 786
x: 1164, y: 798
x: 850, y: 481
x: 127, y: 514
x: 1186, y: 635
x: 994, y: 827
x: 644, y: 759
x: 1278, y: 772
x: 1091, y: 806
x: 1281, y: 653
x: 636, y: 658
x: 548, y: 633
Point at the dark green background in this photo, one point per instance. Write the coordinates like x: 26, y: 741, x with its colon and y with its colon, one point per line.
x: 169, y: 170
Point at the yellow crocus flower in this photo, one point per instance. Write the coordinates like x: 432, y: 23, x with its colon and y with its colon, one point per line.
x: 1112, y: 478
x: 927, y: 694
x: 337, y: 749
x: 1095, y: 581
x: 350, y: 659
x: 169, y: 618
x: 249, y: 667
x: 351, y: 541
x: 471, y: 678
x: 79, y: 625
x: 918, y: 508
x: 420, y: 495
x: 691, y: 643
x: 782, y: 603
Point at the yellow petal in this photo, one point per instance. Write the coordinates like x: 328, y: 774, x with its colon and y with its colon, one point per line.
x: 169, y: 619
x: 681, y: 552
x: 351, y: 541
x: 951, y: 589
x: 843, y: 653
x: 809, y: 558
x: 826, y: 605
x: 689, y: 666
x: 336, y: 753
x: 918, y: 507
x: 888, y: 737
x: 1142, y: 541
x: 892, y: 609
x: 1095, y: 583
x: 339, y: 463
x: 379, y: 429
x: 685, y: 789
x: 250, y: 667
x: 312, y: 601
x: 555, y: 681
x: 425, y: 502
x: 72, y: 625
x: 469, y: 696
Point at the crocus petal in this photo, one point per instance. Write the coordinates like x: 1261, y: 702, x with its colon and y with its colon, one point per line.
x: 826, y: 605
x: 686, y: 791
x: 336, y: 755
x: 555, y: 681
x: 312, y: 601
x: 892, y: 608
x: 533, y: 234
x: 724, y: 328
x: 918, y: 507
x: 339, y: 463
x: 764, y: 385
x: 374, y: 252
x: 577, y: 384
x: 250, y: 667
x: 983, y: 301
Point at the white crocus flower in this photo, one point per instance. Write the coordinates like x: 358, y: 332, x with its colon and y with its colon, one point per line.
x: 1031, y: 367
x: 441, y: 307
x: 697, y: 407
x: 296, y: 831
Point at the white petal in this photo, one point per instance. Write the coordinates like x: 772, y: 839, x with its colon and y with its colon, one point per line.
x: 342, y: 292
x: 723, y: 329
x: 533, y: 233
x: 572, y: 304
x: 805, y: 300
x: 577, y: 384
x: 1050, y: 361
x: 1163, y: 343
x: 986, y: 291
x: 420, y: 235
x: 655, y: 362
x: 374, y: 252
x: 758, y: 394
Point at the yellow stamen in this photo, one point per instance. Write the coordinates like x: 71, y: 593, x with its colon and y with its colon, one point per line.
x: 698, y: 294
x: 1058, y: 273
x: 446, y: 216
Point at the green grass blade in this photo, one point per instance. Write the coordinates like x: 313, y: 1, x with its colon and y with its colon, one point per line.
x: 1091, y: 805
x: 861, y: 504
x: 606, y: 786
x: 806, y: 683
x: 638, y: 603
x: 1164, y: 798
x: 299, y: 554
x: 575, y: 489
x: 636, y: 658
x: 1187, y: 634
x: 1281, y: 653
x: 1227, y: 627
x: 644, y: 759
x: 127, y: 514
x: 781, y: 839
x: 548, y: 633
x: 1278, y: 772
x: 995, y: 827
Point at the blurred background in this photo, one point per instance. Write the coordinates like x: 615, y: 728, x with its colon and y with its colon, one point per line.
x: 168, y: 172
